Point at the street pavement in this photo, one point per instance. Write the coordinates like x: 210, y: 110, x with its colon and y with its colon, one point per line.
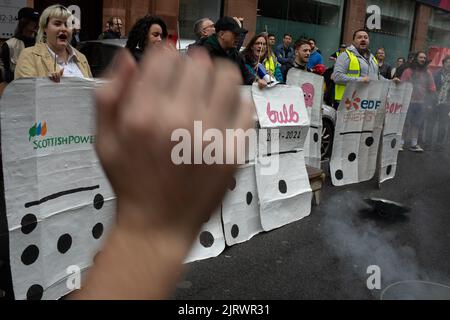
x: 327, y: 255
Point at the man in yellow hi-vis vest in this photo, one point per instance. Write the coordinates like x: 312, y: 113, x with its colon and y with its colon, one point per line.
x: 355, y: 64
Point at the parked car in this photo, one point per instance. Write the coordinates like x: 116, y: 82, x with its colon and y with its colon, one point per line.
x: 100, y: 53
x: 329, y: 123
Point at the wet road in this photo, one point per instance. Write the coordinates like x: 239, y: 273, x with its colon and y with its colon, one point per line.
x: 326, y: 255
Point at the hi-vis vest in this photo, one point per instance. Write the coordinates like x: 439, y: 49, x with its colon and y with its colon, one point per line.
x: 354, y: 71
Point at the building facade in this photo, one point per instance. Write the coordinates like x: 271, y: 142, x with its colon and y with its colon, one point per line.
x: 405, y: 24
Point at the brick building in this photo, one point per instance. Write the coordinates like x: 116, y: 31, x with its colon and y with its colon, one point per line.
x: 405, y: 24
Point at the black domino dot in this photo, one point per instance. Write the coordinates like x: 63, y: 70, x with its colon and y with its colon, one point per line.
x: 35, y: 292
x: 352, y: 157
x: 30, y: 255
x: 64, y: 243
x: 99, y: 201
x: 232, y: 185
x: 282, y: 186
x: 316, y: 137
x: 29, y: 223
x: 369, y: 141
x: 388, y: 170
x: 394, y: 143
x: 206, y: 239
x: 339, y: 175
x: 249, y: 198
x: 97, y: 231
x: 235, y: 231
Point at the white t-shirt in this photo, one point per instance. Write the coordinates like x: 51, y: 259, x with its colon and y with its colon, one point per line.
x: 71, y: 69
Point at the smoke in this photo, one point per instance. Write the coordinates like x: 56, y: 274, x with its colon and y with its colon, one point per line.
x: 359, y: 241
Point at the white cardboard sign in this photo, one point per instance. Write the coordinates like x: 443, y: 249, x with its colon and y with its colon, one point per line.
x: 286, y: 196
x: 280, y: 106
x: 210, y: 242
x: 59, y: 204
x: 397, y: 105
x: 240, y: 209
x: 360, y: 119
x: 9, y: 10
x: 312, y: 87
x: 284, y: 191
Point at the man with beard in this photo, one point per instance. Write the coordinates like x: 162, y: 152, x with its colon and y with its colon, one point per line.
x: 115, y: 29
x: 385, y: 68
x: 302, y: 55
x: 422, y: 98
x: 356, y: 64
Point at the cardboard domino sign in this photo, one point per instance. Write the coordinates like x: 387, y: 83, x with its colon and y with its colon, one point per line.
x: 397, y: 106
x: 210, y: 242
x: 59, y: 204
x: 240, y: 209
x: 360, y: 119
x: 282, y: 180
x: 312, y: 88
x: 286, y: 195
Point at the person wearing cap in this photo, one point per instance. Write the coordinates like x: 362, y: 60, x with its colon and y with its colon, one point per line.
x: 225, y: 43
x: 24, y: 37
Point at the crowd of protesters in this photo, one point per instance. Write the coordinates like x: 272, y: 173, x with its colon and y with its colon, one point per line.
x: 49, y: 49
x: 41, y: 47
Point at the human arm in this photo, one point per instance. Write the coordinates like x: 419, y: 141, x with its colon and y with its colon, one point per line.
x: 160, y: 206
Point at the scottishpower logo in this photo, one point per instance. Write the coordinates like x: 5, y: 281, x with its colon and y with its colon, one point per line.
x: 40, y: 138
x: 38, y: 130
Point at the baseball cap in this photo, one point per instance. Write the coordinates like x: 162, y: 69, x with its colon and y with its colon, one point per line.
x: 229, y: 24
x: 28, y: 13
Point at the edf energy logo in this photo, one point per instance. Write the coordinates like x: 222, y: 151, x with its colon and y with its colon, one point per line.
x: 38, y: 130
x: 38, y: 135
x: 357, y: 104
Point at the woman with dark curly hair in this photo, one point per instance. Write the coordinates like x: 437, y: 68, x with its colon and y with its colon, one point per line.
x: 147, y: 32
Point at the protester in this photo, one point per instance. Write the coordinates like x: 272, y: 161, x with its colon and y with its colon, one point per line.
x: 400, y: 62
x: 316, y: 57
x: 271, y: 62
x: 422, y: 98
x: 53, y: 56
x: 385, y: 68
x: 441, y: 112
x: 253, y: 63
x: 302, y: 56
x: 404, y: 66
x: 272, y: 41
x: 335, y: 55
x: 147, y: 32
x: 285, y: 53
x: 159, y: 215
x: 115, y: 29
x: 106, y: 29
x: 227, y: 40
x: 24, y: 37
x: 357, y: 64
x: 203, y: 28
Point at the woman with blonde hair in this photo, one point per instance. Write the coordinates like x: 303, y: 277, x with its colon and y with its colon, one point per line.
x: 53, y: 56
